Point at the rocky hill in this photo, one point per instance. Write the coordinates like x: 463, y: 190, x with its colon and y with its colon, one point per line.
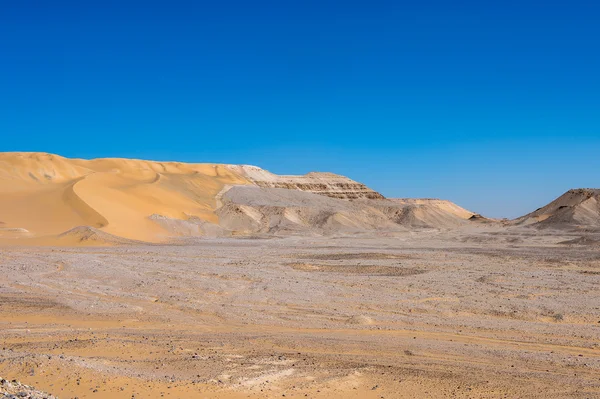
x: 575, y: 208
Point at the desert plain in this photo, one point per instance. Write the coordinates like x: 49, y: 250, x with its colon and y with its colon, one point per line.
x: 130, y: 279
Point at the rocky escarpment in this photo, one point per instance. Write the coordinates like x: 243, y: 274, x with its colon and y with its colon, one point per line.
x: 328, y: 184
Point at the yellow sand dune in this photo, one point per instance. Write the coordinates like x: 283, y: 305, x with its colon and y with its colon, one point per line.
x: 47, y: 194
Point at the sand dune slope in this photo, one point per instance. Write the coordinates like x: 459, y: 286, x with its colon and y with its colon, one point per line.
x: 47, y: 194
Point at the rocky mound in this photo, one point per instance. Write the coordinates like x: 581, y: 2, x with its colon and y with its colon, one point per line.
x: 190, y: 227
x: 430, y: 213
x: 575, y: 208
x: 91, y: 236
x: 17, y: 390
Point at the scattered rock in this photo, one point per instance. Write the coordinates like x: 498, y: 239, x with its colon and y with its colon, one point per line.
x: 360, y: 320
x: 15, y: 390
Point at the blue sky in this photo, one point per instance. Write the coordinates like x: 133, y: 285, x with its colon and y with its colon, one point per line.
x: 493, y: 106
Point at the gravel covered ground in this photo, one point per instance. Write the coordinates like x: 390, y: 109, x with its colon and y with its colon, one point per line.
x: 482, y: 313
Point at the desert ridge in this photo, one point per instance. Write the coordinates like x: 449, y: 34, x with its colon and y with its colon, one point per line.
x: 47, y: 199
x: 50, y: 199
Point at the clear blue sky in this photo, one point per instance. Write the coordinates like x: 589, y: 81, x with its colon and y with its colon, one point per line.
x: 493, y: 106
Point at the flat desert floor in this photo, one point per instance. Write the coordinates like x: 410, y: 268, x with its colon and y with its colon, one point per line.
x: 463, y: 314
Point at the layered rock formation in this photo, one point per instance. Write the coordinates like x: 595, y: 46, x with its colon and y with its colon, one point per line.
x: 328, y: 184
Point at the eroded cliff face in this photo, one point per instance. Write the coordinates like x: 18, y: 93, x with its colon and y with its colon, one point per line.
x: 328, y: 184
